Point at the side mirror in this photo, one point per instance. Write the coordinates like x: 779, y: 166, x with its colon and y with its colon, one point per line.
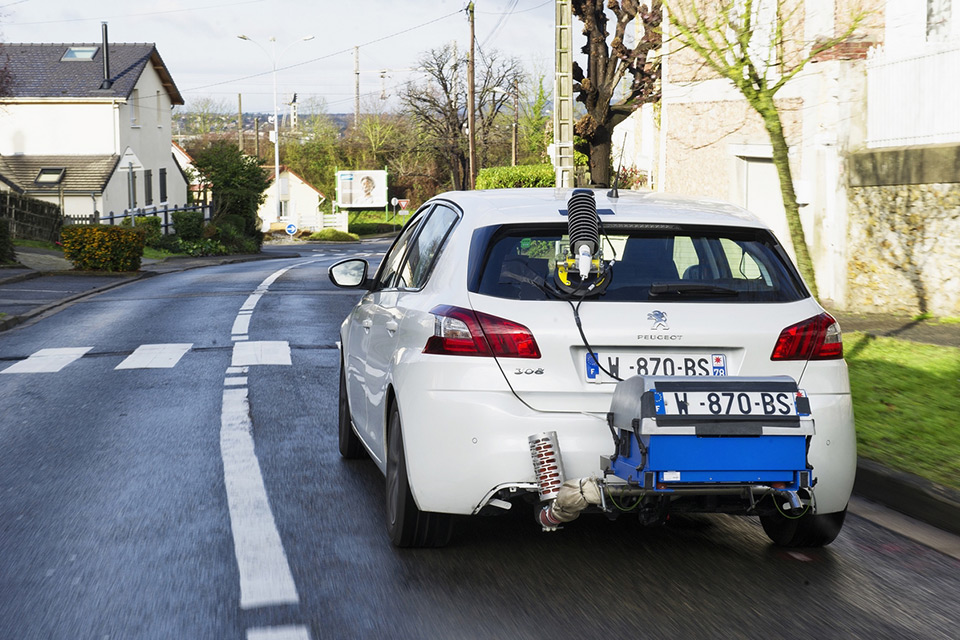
x: 350, y: 274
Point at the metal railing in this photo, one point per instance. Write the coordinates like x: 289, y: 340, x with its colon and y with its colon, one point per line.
x: 164, y: 212
x: 912, y: 99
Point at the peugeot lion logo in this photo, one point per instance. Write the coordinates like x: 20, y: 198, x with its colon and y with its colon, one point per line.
x: 659, y: 320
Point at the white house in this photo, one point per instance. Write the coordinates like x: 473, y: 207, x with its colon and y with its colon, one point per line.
x: 299, y: 203
x: 874, y: 150
x: 88, y: 126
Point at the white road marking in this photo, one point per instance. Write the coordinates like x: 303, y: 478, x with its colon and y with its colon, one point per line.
x: 243, y: 337
x: 265, y: 577
x: 47, y: 360
x: 279, y: 633
x: 251, y: 302
x: 155, y: 356
x: 233, y: 371
x: 241, y: 325
x: 235, y: 382
x: 261, y: 352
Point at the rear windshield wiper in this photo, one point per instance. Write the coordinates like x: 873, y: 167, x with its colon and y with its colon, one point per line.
x: 689, y: 288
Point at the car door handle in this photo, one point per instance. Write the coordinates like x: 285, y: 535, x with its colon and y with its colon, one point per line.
x: 392, y: 326
x: 366, y: 324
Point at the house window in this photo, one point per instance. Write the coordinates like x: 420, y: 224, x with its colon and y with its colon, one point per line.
x: 135, y: 108
x: 147, y: 187
x: 50, y: 175
x: 79, y: 53
x: 163, y: 185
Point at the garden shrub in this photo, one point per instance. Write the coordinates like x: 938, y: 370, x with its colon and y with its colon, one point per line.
x: 334, y: 235
x: 522, y: 176
x: 188, y: 224
x: 203, y: 247
x: 152, y: 227
x: 6, y: 243
x: 103, y: 247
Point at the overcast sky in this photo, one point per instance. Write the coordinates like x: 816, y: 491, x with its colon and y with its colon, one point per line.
x: 197, y: 40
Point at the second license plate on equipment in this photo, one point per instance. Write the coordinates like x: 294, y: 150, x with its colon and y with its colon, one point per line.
x: 625, y: 365
x: 726, y: 403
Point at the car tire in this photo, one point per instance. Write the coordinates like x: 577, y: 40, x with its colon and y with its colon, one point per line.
x: 350, y: 446
x: 407, y: 525
x: 808, y: 530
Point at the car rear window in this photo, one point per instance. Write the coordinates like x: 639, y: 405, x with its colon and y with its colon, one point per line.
x: 644, y: 263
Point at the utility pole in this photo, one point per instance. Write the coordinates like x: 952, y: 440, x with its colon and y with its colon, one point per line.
x: 256, y: 126
x: 516, y: 117
x: 563, y: 98
x: 356, y: 87
x: 240, y: 121
x: 471, y: 114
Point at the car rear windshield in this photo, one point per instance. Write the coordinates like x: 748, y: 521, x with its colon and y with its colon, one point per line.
x: 642, y: 263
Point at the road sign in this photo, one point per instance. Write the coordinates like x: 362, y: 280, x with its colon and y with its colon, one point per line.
x: 291, y: 228
x: 393, y: 202
x: 403, y: 204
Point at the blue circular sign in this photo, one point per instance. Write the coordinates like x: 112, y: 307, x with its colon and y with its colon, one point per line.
x: 291, y: 228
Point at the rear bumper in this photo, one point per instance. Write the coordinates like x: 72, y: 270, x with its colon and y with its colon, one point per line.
x: 462, y: 445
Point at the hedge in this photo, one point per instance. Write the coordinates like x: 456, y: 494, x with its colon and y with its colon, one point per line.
x: 152, y: 227
x: 522, y: 176
x: 103, y: 247
x: 7, y: 253
x: 188, y: 224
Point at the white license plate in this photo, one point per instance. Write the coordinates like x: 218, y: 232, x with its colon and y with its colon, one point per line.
x: 725, y: 403
x: 624, y: 365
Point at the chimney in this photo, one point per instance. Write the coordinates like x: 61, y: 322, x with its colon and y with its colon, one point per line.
x: 107, y: 82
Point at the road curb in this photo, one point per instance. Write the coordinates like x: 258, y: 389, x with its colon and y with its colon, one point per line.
x: 13, y: 321
x: 909, y: 494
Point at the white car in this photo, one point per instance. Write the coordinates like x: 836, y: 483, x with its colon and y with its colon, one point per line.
x: 678, y: 364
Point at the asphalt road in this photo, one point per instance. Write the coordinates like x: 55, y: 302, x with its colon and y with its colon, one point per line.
x: 127, y: 508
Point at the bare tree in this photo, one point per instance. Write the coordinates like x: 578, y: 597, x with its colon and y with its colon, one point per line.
x: 607, y: 66
x: 747, y: 42
x: 439, y: 105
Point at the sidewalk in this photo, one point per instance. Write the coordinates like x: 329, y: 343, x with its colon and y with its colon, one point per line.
x: 46, y: 282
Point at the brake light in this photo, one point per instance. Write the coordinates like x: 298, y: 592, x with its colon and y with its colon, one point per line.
x: 463, y: 332
x: 816, y: 338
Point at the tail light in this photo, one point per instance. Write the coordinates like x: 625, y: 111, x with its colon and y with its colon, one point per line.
x: 463, y: 332
x: 816, y: 338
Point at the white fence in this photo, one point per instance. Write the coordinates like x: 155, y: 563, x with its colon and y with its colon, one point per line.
x: 913, y: 99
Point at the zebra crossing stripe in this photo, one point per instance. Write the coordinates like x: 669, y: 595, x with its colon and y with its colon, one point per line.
x: 155, y: 356
x: 261, y: 352
x: 47, y: 360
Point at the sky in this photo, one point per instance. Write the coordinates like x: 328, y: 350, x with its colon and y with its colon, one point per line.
x: 197, y: 40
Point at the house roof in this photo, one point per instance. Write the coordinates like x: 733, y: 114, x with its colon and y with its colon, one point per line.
x: 81, y: 173
x: 285, y: 169
x: 38, y: 71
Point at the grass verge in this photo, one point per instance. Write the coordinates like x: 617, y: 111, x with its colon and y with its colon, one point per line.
x: 904, y: 400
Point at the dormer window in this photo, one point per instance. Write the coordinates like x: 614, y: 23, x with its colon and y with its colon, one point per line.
x: 50, y: 175
x: 79, y: 53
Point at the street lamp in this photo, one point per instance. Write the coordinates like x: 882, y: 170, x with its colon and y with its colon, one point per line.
x: 276, y: 119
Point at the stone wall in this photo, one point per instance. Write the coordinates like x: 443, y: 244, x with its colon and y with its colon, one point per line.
x: 904, y: 231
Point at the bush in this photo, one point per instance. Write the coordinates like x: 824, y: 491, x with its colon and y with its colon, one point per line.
x: 334, y: 235
x: 522, y: 176
x: 204, y: 247
x: 188, y: 224
x: 152, y: 227
x: 103, y: 247
x: 6, y: 243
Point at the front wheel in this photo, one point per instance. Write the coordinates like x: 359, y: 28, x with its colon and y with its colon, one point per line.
x: 808, y: 530
x: 407, y: 525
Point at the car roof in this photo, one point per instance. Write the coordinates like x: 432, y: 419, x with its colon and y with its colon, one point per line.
x: 503, y: 206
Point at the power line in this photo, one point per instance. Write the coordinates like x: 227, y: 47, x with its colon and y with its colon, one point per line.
x: 329, y: 55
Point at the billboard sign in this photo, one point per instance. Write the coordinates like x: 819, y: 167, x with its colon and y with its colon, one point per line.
x: 362, y: 189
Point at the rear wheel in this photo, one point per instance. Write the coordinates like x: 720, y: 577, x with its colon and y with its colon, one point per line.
x: 407, y: 525
x: 350, y: 446
x: 808, y: 530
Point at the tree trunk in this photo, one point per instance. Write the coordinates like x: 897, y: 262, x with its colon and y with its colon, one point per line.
x: 781, y: 160
x: 600, y: 148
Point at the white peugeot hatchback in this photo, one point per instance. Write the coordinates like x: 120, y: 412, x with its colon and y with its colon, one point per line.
x: 580, y: 350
